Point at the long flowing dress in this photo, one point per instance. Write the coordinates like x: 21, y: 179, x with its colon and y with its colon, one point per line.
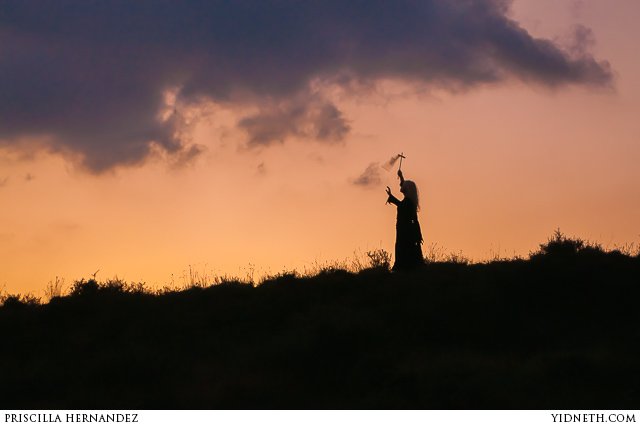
x: 408, y: 248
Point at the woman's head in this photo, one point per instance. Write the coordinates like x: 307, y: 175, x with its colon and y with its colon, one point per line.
x: 410, y: 190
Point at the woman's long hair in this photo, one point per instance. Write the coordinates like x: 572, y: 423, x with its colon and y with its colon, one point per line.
x: 410, y: 191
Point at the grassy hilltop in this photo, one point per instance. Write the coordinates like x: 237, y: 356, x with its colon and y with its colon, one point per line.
x: 559, y: 330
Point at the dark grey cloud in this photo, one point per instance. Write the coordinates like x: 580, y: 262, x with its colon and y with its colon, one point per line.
x: 90, y: 76
x: 581, y: 41
x: 186, y: 156
x: 304, y: 118
x: 370, y: 176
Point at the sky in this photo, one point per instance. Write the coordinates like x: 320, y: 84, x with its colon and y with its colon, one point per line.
x: 144, y: 140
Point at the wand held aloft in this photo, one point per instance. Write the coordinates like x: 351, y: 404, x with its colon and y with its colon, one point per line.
x: 401, y: 156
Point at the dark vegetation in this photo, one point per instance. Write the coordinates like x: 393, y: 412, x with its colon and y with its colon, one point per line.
x: 559, y: 330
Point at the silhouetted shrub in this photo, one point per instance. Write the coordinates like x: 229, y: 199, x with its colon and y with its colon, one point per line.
x: 12, y: 301
x: 119, y: 286
x: 283, y: 277
x: 116, y: 286
x: 17, y: 301
x: 84, y: 287
x: 113, y: 286
x: 379, y: 258
x: 559, y: 245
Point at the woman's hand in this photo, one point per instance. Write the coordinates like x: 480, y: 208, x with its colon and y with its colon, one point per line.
x: 388, y: 191
x: 400, y: 173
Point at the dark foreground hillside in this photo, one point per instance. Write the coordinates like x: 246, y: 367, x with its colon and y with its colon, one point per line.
x: 558, y: 331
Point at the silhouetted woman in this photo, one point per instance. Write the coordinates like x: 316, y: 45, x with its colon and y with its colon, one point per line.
x: 408, y: 234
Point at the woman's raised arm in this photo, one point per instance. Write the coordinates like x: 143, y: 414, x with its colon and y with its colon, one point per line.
x: 401, y: 177
x: 392, y: 199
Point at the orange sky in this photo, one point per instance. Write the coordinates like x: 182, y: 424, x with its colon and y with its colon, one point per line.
x: 499, y: 168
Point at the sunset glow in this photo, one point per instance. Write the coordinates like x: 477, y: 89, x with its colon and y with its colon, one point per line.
x: 499, y: 164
